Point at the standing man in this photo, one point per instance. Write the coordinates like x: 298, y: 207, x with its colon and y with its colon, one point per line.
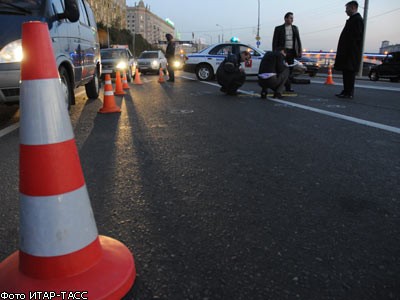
x: 348, y: 54
x: 170, y: 55
x: 287, y: 36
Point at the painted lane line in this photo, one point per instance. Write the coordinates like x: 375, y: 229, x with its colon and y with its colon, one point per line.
x: 323, y: 112
x: 339, y: 116
x: 8, y: 129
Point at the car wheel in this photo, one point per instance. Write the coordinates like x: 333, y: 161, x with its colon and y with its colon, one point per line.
x: 66, y: 86
x: 93, y: 87
x: 129, y: 75
x: 394, y: 79
x: 313, y: 74
x: 373, y: 75
x: 204, y: 72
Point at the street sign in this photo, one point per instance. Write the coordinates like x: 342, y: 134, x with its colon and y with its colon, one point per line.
x: 258, y: 43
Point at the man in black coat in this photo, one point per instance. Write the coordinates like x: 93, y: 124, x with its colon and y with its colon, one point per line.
x: 273, y: 73
x: 287, y: 36
x: 348, y: 54
x: 170, y: 55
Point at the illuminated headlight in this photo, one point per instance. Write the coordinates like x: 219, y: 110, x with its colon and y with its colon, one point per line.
x: 177, y: 64
x: 12, y: 52
x: 154, y: 63
x: 121, y: 65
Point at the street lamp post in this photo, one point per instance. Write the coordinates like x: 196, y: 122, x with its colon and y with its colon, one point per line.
x: 258, y: 26
x: 222, y: 30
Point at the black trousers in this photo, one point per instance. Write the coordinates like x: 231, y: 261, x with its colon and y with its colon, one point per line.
x: 349, y: 79
x: 290, y: 56
x: 171, y: 72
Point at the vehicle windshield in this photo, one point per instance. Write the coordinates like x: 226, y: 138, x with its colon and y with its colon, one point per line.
x: 25, y: 6
x: 110, y: 54
x: 149, y: 55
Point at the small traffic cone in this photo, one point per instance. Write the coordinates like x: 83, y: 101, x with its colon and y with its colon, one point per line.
x: 161, y: 77
x: 59, y: 247
x: 137, y: 77
x: 125, y: 85
x: 118, y: 85
x: 329, y: 79
x: 109, y: 105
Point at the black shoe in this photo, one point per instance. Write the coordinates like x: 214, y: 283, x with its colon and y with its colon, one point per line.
x: 222, y: 89
x: 278, y: 96
x: 264, y: 94
x: 344, y: 96
x: 290, y: 90
x: 171, y: 80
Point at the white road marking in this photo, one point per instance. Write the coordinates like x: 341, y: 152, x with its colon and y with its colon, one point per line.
x: 325, y: 112
x: 8, y: 129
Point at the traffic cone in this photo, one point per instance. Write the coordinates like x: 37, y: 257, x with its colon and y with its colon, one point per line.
x: 329, y: 79
x: 125, y: 85
x: 161, y: 77
x: 109, y: 105
x: 59, y: 249
x: 118, y: 85
x: 137, y: 77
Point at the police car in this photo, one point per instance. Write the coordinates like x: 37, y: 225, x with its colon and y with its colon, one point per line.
x: 205, y: 63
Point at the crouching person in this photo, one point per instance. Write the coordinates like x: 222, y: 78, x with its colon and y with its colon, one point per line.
x: 230, y: 74
x: 273, y: 73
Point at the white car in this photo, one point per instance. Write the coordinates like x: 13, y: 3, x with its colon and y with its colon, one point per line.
x: 205, y: 63
x: 151, y: 61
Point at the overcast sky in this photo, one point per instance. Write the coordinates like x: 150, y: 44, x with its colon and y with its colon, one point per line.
x: 319, y: 21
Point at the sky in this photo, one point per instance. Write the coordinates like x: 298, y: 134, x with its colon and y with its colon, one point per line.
x: 320, y: 22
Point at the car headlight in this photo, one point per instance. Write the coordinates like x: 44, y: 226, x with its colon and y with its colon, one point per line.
x: 154, y: 63
x: 177, y: 63
x: 12, y: 52
x: 121, y: 65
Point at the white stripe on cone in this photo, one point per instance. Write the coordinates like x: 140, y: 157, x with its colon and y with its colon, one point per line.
x: 63, y: 223
x: 48, y: 121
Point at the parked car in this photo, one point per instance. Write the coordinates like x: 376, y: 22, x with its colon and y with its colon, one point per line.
x: 114, y: 59
x: 151, y: 61
x: 390, y: 68
x: 311, y: 64
x: 74, y: 38
x: 205, y: 63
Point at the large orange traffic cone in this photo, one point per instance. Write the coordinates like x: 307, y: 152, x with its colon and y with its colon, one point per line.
x: 59, y: 249
x: 118, y: 85
x: 329, y: 79
x: 137, y: 77
x: 125, y: 85
x: 161, y: 77
x: 109, y: 105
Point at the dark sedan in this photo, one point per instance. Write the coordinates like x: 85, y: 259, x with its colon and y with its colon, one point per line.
x: 311, y: 65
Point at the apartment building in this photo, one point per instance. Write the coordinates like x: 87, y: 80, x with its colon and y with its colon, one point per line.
x: 140, y: 20
x: 110, y: 12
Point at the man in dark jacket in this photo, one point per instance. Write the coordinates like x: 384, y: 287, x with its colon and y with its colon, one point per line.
x: 273, y: 73
x: 287, y: 36
x: 230, y: 74
x: 348, y: 54
x: 170, y: 55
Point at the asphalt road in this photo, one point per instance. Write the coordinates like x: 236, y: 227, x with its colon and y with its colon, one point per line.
x: 224, y: 197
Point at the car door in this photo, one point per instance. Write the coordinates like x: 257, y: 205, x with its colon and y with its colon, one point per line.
x: 251, y: 67
x: 217, y: 54
x: 87, y: 45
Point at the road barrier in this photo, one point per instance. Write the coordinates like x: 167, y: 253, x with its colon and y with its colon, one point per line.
x: 118, y: 85
x: 161, y: 76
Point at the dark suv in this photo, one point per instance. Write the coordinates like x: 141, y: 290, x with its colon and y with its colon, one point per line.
x: 74, y: 38
x: 390, y: 68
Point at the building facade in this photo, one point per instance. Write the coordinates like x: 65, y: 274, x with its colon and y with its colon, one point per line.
x: 387, y: 48
x: 140, y: 20
x: 110, y: 12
